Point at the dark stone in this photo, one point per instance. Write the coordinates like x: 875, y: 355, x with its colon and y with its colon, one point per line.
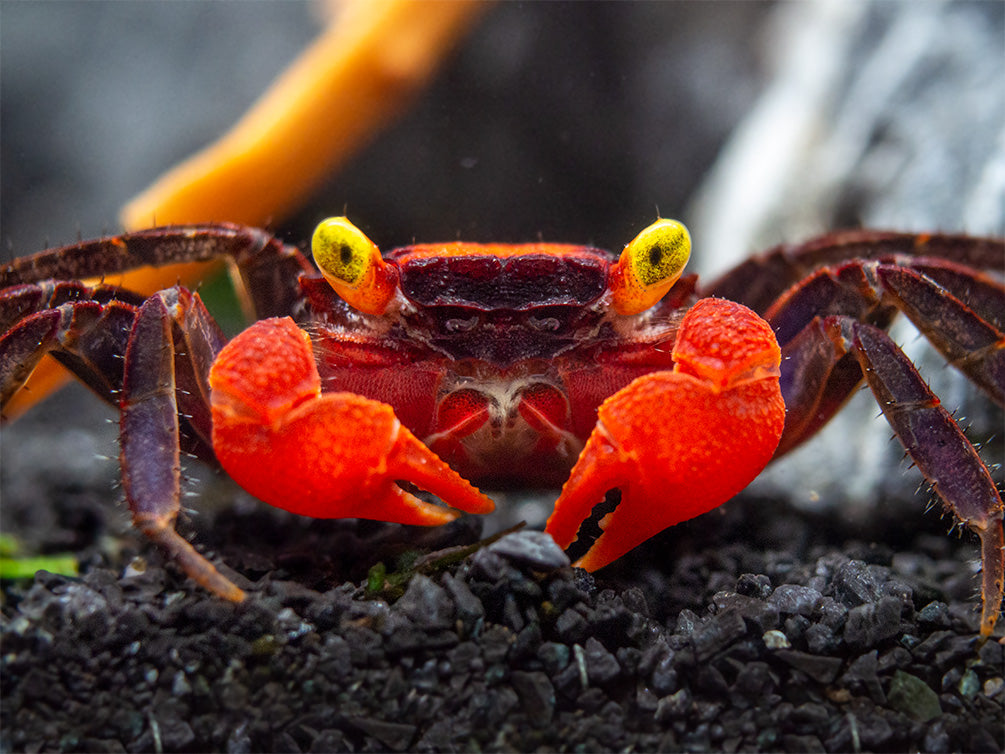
x: 490, y: 566
x: 802, y: 744
x: 328, y: 740
x: 856, y: 583
x: 175, y: 734
x: 897, y: 657
x: 794, y: 599
x: 563, y: 593
x: 956, y: 649
x: 822, y: 669
x: 992, y: 654
x: 553, y: 656
x: 833, y: 614
x: 537, y: 696
x: 531, y: 549
x: 863, y: 671
x: 760, y: 615
x: 394, y: 736
x: 496, y: 642
x: 527, y: 642
x: 821, y: 640
x: 795, y: 627
x: 512, y: 616
x: 754, y: 585
x: 469, y: 608
x: 628, y: 660
x: 870, y: 623
x: 718, y: 633
x: 711, y: 681
x: 601, y: 666
x: 571, y: 626
x: 427, y: 603
x: 925, y: 651
x: 664, y: 675
x: 570, y: 681
x: 754, y: 680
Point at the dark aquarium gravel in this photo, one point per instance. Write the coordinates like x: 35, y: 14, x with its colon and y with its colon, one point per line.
x: 753, y: 628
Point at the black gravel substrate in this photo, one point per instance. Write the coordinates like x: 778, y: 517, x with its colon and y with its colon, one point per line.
x: 751, y: 629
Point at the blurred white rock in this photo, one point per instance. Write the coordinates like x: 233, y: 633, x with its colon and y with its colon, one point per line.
x: 884, y: 115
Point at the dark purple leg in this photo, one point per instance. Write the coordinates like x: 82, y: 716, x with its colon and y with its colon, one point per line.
x: 817, y: 375
x: 939, y: 449
x: 87, y: 330
x: 84, y: 328
x: 970, y: 343
x: 761, y: 280
x: 269, y: 269
x: 150, y: 434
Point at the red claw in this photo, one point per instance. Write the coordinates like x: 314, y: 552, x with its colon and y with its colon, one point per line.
x: 333, y: 455
x: 682, y: 442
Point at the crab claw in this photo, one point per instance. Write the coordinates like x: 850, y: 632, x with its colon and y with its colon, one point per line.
x: 332, y: 455
x: 679, y: 443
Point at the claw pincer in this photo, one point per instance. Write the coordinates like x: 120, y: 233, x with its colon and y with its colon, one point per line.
x: 329, y: 455
x: 679, y: 443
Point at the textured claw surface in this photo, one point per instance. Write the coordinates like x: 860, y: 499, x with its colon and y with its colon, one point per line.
x: 334, y: 455
x: 679, y: 443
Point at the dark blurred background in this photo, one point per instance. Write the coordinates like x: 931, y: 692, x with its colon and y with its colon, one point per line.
x: 564, y: 121
x: 753, y: 122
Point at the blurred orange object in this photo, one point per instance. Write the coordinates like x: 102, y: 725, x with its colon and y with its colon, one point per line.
x: 374, y: 57
x: 360, y: 72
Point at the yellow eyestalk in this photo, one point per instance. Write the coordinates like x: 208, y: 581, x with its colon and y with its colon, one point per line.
x: 649, y: 266
x: 352, y: 265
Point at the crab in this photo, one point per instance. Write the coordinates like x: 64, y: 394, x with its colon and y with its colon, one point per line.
x: 441, y: 366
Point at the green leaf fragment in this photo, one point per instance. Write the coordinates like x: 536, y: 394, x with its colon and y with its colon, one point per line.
x: 26, y: 568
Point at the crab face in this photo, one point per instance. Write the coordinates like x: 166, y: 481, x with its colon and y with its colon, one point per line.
x: 516, y: 364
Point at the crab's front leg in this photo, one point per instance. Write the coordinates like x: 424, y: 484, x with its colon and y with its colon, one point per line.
x: 332, y: 455
x: 679, y: 443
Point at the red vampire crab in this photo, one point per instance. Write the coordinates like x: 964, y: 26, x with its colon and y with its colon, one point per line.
x: 512, y: 364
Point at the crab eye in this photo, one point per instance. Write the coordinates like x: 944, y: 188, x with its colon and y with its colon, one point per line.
x: 352, y: 265
x: 650, y: 264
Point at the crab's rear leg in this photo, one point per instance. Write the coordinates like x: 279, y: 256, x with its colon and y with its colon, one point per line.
x: 966, y: 328
x: 819, y: 373
x: 939, y: 449
x: 679, y: 443
x: 85, y: 328
x: 149, y: 425
x: 333, y: 455
x: 265, y: 271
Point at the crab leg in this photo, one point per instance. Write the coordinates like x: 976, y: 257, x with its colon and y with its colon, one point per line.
x: 85, y: 328
x: 681, y: 442
x: 760, y: 280
x: 940, y: 450
x: 974, y: 346
x: 150, y: 432
x: 269, y: 269
x: 818, y: 376
x: 828, y: 357
x: 267, y: 274
x: 333, y: 455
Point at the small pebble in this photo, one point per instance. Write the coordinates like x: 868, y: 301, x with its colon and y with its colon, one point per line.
x: 775, y: 639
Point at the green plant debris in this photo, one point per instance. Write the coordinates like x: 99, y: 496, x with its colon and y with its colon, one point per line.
x: 391, y: 585
x: 26, y: 568
x: 10, y: 546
